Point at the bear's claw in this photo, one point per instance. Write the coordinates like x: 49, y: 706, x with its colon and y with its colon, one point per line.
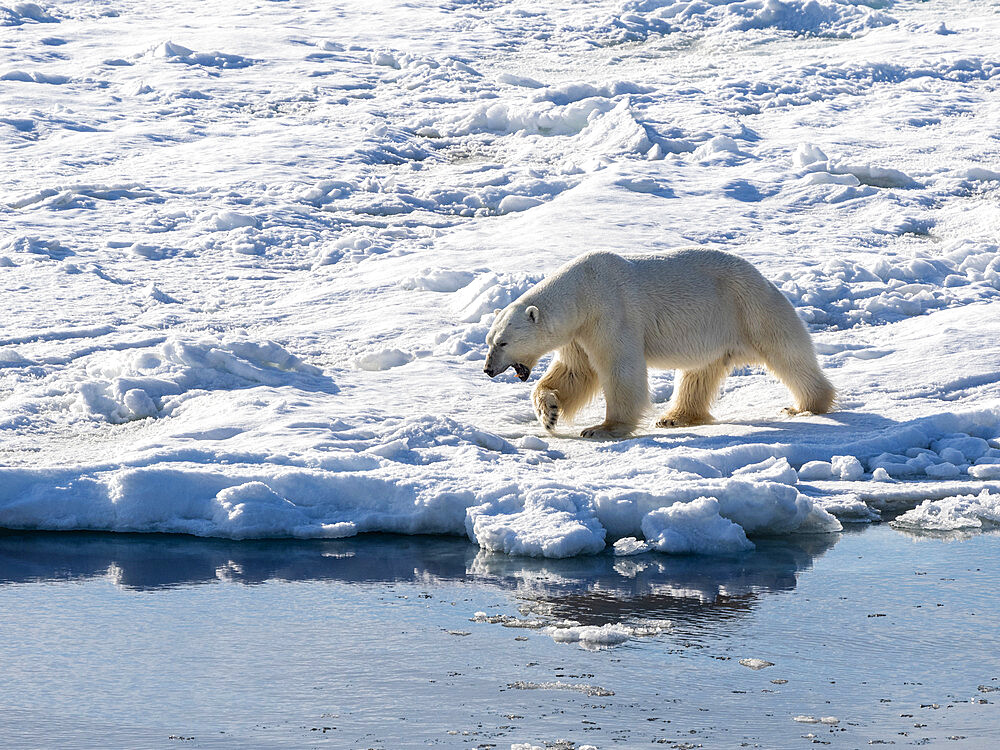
x: 547, y: 409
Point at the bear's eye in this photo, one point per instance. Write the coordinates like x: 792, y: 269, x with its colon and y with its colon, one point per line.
x: 502, y: 345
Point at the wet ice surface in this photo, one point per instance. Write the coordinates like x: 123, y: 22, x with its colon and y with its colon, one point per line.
x: 875, y: 636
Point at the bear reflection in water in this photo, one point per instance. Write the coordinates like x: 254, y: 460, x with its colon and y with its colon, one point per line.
x: 593, y: 589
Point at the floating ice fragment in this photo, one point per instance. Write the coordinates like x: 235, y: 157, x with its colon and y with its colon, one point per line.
x: 956, y: 513
x: 591, y: 690
x: 755, y: 663
x: 806, y: 719
x: 630, y: 546
x: 592, y: 637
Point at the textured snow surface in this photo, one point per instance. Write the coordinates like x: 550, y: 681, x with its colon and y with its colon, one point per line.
x: 249, y: 254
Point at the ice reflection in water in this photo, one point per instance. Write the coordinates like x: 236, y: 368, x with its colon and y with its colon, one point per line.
x: 594, y: 589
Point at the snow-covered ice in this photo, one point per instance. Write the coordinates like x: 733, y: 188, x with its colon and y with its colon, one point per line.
x: 249, y: 257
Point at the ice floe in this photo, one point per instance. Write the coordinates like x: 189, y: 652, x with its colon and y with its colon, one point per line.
x: 247, y: 292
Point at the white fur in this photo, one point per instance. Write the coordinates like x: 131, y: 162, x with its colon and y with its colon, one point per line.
x: 610, y: 317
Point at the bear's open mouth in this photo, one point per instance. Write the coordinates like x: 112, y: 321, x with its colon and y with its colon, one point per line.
x: 522, y: 371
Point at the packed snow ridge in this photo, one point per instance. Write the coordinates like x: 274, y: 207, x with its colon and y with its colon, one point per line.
x: 248, y: 273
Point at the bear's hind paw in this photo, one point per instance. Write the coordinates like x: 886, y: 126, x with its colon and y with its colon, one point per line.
x: 605, y: 432
x: 683, y: 420
x: 547, y: 410
x: 791, y: 411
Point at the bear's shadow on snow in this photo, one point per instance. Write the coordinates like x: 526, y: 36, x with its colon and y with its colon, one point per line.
x: 836, y: 430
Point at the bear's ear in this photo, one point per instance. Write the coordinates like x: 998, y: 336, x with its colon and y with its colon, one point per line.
x: 497, y: 311
x: 532, y: 313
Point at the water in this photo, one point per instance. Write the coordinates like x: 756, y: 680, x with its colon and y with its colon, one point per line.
x: 136, y: 641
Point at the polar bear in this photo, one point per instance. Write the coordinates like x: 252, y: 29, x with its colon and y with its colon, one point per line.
x: 609, y: 317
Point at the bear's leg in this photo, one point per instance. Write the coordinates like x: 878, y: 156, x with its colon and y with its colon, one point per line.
x: 801, y: 374
x: 694, y: 394
x: 567, y: 386
x: 626, y: 392
x: 782, y: 342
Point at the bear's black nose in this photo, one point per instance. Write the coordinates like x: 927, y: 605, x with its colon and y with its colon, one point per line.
x: 489, y: 372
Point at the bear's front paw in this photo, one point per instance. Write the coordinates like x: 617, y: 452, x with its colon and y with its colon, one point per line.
x: 547, y: 409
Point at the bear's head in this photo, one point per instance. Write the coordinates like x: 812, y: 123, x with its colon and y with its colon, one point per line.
x: 516, y: 339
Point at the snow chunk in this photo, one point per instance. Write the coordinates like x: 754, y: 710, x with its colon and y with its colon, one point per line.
x: 616, y: 132
x: 515, y: 203
x: 567, y: 93
x: 942, y: 471
x: 772, y: 469
x: 178, y: 53
x: 695, y: 527
x: 10, y: 357
x: 253, y: 510
x: 968, y: 446
x: 850, y: 508
x: 550, y: 521
x: 540, y: 118
x: 146, y: 382
x: 384, y: 359
x: 816, y: 470
x: 21, y: 13
x: 223, y: 221
x: 807, y: 154
x: 524, y: 81
x: 720, y: 144
x: 490, y: 292
x: 532, y: 443
x: 847, y: 468
x: 962, y: 512
x: 985, y: 471
x: 438, y: 280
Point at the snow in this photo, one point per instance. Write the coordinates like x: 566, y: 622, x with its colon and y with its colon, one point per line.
x: 249, y: 262
x: 960, y: 513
